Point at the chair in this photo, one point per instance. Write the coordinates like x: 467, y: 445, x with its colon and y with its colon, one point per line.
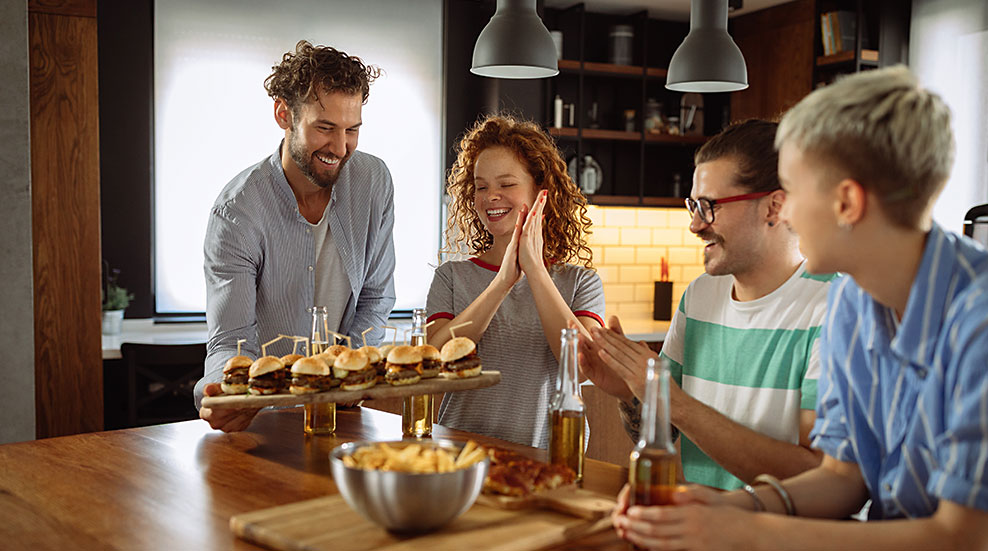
x: 976, y: 224
x: 160, y: 381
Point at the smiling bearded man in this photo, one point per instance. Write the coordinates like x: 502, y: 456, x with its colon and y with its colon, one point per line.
x: 742, y: 346
x: 309, y: 225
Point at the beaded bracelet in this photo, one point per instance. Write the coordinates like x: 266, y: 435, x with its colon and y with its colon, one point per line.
x: 759, y: 506
x: 783, y: 494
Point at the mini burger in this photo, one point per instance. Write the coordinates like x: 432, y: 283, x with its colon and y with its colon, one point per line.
x: 385, y: 349
x: 235, y: 375
x: 376, y: 361
x: 353, y: 367
x: 290, y: 359
x: 431, y: 363
x: 337, y: 349
x: 329, y: 359
x: 404, y: 366
x: 460, y: 358
x: 311, y: 375
x: 267, y: 376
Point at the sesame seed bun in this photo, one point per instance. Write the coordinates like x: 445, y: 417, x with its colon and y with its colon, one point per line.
x: 373, y: 354
x: 290, y: 359
x: 403, y: 354
x: 351, y: 360
x: 338, y: 349
x: 265, y: 365
x: 454, y: 349
x: 311, y: 366
x: 237, y: 362
x: 428, y: 352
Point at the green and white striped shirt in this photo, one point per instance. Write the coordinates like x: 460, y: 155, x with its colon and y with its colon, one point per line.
x: 755, y: 362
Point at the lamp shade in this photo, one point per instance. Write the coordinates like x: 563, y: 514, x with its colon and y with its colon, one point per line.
x: 515, y: 44
x: 708, y: 60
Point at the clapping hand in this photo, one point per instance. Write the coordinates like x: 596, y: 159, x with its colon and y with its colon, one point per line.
x: 510, y: 271
x: 530, y: 253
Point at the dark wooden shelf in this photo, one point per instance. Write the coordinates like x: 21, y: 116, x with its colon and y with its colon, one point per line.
x: 664, y: 202
x: 565, y: 132
x: 614, y: 200
x: 621, y: 135
x: 676, y: 139
x: 603, y: 134
x: 609, y: 69
x: 867, y: 57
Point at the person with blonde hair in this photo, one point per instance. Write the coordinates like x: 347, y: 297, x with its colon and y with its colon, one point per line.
x: 902, y: 412
x: 514, y: 207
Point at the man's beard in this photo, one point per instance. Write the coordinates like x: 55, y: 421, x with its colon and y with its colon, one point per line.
x: 724, y: 265
x: 306, y: 161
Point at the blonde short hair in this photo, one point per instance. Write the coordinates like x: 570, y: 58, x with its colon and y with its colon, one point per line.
x: 881, y: 129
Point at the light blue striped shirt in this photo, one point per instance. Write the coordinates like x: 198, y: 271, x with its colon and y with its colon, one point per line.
x: 260, y: 258
x: 908, y: 400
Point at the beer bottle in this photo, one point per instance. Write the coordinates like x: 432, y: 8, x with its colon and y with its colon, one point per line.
x: 416, y: 411
x: 320, y: 418
x: 566, y: 410
x: 652, y: 473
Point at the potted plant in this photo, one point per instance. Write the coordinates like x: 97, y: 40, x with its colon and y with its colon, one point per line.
x: 115, y: 301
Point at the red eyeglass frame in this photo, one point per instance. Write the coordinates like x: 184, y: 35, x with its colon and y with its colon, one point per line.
x: 721, y: 201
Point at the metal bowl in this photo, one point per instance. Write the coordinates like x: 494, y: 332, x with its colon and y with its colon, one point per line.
x: 406, y: 502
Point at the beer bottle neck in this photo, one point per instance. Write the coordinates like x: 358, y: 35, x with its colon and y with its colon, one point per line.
x: 655, y: 431
x: 568, y: 382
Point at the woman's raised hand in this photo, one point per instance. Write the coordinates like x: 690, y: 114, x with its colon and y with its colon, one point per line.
x: 530, y: 257
x: 510, y: 271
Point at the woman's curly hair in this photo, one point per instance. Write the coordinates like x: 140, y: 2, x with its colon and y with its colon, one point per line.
x: 297, y: 77
x: 566, y: 222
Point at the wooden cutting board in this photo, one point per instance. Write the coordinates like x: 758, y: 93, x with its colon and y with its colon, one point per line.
x: 436, y: 385
x: 570, y: 500
x: 329, y: 524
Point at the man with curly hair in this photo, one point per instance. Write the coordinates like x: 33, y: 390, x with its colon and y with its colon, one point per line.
x: 309, y: 225
x: 743, y: 344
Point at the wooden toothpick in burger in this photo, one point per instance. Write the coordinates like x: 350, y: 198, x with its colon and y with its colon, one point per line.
x: 363, y: 334
x: 349, y: 343
x: 457, y: 326
x: 239, y: 343
x: 394, y: 334
x: 265, y: 346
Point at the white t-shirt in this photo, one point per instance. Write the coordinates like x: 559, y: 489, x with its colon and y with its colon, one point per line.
x: 331, y: 279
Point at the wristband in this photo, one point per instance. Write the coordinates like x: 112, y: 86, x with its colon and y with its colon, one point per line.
x: 759, y: 506
x: 783, y: 494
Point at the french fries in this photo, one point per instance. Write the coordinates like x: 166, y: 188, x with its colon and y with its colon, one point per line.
x: 414, y: 458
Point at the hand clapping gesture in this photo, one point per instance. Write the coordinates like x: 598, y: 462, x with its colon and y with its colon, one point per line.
x: 530, y: 256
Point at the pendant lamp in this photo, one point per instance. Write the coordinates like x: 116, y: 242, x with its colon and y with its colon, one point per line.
x: 515, y: 44
x: 708, y: 60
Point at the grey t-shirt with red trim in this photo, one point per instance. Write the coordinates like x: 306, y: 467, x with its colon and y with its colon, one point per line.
x: 517, y: 408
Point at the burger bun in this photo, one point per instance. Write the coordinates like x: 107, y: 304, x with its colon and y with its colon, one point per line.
x: 456, y: 348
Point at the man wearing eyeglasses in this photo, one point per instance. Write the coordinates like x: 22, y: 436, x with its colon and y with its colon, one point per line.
x: 743, y: 344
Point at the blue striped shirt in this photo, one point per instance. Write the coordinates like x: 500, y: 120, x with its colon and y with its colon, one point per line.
x: 260, y: 258
x: 908, y: 400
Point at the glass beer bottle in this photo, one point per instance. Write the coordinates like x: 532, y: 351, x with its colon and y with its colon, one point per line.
x: 416, y: 411
x: 652, y: 472
x: 567, y: 411
x: 320, y: 418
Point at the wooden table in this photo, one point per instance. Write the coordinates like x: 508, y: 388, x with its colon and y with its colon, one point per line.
x: 176, y: 486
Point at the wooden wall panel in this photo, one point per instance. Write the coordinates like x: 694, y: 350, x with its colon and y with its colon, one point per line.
x: 82, y: 8
x: 65, y: 223
x: 777, y: 44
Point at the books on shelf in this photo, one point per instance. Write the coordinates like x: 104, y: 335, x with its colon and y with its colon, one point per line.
x: 838, y: 31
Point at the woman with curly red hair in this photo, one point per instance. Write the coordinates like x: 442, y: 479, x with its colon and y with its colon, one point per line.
x: 515, y: 208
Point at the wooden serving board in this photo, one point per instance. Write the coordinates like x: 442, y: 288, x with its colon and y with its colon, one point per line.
x: 329, y: 524
x: 569, y: 500
x: 437, y: 385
